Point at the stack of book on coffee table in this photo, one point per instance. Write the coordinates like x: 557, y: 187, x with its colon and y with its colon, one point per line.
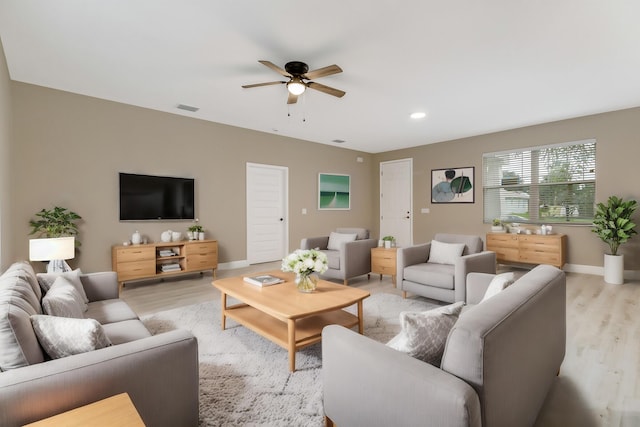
x: 263, y: 280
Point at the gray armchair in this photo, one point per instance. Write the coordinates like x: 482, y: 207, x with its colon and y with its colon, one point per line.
x: 350, y: 259
x: 442, y: 282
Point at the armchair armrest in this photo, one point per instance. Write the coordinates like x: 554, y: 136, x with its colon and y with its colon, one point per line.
x: 100, y: 286
x: 477, y: 284
x: 160, y: 373
x: 368, y: 383
x: 315, y: 242
x: 411, y: 255
x: 356, y: 256
x: 481, y: 262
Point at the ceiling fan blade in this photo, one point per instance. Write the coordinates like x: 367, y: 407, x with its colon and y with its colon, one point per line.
x: 275, y: 68
x: 321, y: 72
x: 326, y: 89
x: 292, y: 98
x: 262, y: 84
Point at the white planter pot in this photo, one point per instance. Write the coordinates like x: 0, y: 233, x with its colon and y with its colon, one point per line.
x: 614, y: 269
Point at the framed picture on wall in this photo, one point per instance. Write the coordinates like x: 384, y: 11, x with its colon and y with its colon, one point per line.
x: 453, y: 185
x: 334, y: 191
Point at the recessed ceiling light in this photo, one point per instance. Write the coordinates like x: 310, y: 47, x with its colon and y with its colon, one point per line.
x: 418, y: 115
x: 339, y: 141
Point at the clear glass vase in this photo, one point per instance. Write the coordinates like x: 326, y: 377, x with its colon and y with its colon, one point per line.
x: 306, y: 282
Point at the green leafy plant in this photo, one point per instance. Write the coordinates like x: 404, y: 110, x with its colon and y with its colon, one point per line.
x: 56, y: 222
x: 496, y: 222
x: 195, y: 229
x: 612, y: 222
x: 389, y: 238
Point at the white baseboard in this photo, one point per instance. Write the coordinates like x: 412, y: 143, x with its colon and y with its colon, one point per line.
x: 233, y: 264
x: 598, y: 271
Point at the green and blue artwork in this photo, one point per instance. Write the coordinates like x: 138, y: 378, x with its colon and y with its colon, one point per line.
x: 452, y: 185
x: 334, y: 191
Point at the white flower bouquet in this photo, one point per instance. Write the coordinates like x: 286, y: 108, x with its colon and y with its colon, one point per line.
x: 305, y: 261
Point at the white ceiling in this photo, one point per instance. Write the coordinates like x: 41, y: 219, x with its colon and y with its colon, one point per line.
x: 474, y: 66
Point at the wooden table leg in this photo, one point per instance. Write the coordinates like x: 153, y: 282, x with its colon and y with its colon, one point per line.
x: 360, y: 318
x: 223, y: 307
x: 291, y: 328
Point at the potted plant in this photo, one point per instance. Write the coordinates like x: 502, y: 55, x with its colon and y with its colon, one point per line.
x: 56, y: 222
x: 194, y: 231
x: 388, y: 241
x: 612, y: 223
x: 496, y: 225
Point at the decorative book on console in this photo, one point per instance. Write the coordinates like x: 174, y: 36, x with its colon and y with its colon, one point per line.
x: 263, y: 280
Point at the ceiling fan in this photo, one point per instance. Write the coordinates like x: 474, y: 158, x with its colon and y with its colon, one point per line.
x: 299, y: 74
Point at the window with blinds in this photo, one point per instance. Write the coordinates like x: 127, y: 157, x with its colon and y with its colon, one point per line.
x: 541, y: 185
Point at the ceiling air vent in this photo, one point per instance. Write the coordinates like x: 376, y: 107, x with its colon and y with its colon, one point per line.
x: 188, y: 108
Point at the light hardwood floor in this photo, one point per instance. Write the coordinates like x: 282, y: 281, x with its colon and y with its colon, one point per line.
x: 598, y: 383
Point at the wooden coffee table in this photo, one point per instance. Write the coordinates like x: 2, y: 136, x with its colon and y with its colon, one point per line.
x: 284, y: 315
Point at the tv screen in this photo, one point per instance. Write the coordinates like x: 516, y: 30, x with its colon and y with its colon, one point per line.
x: 147, y: 197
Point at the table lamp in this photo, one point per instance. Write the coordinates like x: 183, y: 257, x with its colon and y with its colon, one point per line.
x: 55, y: 250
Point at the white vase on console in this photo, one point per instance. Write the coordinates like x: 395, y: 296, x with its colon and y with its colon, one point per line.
x: 176, y: 236
x: 136, y: 238
x: 166, y: 236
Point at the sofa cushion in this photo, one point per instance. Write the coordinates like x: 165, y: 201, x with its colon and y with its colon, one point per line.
x: 438, y: 275
x: 336, y: 240
x: 125, y: 331
x: 16, y: 289
x: 63, y: 300
x: 18, y: 343
x: 445, y: 253
x: 424, y: 334
x: 333, y: 259
x: 62, y: 336
x: 497, y: 284
x: 361, y: 233
x: 25, y: 270
x: 46, y: 280
x: 110, y: 311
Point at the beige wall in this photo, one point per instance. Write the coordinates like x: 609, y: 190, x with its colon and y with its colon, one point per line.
x: 5, y: 164
x: 69, y: 149
x: 618, y: 173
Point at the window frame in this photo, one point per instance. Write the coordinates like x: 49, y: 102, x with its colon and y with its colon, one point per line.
x: 526, y: 169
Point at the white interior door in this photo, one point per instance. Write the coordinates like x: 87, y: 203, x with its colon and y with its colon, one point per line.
x: 267, y: 207
x: 396, y: 189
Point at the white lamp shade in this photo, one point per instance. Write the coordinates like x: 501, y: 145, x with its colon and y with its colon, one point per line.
x: 50, y: 249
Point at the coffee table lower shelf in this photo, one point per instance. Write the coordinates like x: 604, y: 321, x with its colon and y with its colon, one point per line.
x: 306, y: 331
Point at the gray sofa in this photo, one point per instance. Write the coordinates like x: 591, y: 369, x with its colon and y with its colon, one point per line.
x: 351, y: 260
x: 160, y: 373
x: 442, y: 281
x: 500, y: 360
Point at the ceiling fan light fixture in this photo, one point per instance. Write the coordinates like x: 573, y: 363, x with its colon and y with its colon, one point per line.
x: 296, y: 86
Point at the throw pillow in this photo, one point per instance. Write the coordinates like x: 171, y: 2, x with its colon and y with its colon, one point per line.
x: 336, y: 239
x: 61, y: 336
x: 63, y: 300
x: 445, y: 253
x: 498, y: 283
x: 46, y: 281
x: 424, y: 334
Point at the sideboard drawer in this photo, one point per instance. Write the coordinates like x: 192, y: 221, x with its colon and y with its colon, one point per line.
x: 133, y: 253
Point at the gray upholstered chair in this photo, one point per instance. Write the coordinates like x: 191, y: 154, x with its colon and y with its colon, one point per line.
x: 444, y: 279
x: 348, y: 252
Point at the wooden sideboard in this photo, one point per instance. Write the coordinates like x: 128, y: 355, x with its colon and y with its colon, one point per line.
x: 135, y: 262
x: 529, y: 248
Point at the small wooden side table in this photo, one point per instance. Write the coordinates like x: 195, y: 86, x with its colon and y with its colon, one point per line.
x: 116, y: 410
x: 383, y: 261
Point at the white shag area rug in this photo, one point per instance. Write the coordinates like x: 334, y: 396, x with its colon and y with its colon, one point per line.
x: 245, y: 378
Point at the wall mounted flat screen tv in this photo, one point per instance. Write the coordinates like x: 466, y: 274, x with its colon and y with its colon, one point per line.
x: 147, y: 197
